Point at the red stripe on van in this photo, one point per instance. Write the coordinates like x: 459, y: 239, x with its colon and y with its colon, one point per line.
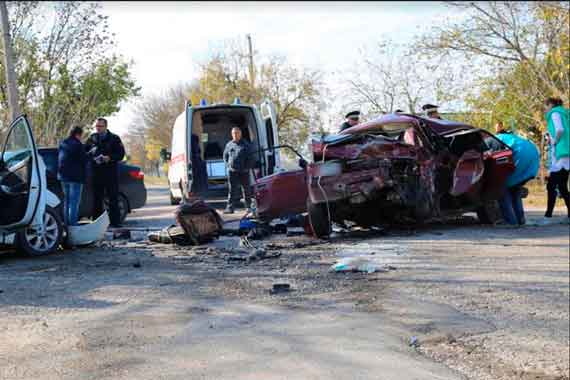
x: 181, y: 157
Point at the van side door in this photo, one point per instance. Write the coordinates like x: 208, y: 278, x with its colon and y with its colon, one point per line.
x: 269, y: 119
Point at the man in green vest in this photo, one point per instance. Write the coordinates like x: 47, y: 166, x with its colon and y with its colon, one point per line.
x: 558, y: 139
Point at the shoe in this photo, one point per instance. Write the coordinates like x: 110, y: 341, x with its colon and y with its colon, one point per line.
x: 229, y: 210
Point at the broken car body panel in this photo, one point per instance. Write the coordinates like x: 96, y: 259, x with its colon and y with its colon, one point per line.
x: 403, y: 166
x: 88, y: 233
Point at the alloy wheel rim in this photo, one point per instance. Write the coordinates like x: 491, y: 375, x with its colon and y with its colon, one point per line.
x: 43, y: 241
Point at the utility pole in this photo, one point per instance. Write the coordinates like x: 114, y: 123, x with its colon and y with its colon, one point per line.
x: 9, y: 63
x: 251, y: 67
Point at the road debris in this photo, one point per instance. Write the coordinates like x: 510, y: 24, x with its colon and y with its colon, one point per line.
x: 280, y: 288
x: 414, y: 342
x: 359, y: 264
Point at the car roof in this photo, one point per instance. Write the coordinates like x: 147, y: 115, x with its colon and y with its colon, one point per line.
x: 43, y: 150
x: 439, y: 126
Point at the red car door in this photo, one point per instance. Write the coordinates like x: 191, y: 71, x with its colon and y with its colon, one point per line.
x: 498, y: 166
x: 281, y: 194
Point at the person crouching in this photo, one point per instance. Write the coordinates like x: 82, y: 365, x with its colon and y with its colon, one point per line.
x: 526, y: 159
x: 238, y: 159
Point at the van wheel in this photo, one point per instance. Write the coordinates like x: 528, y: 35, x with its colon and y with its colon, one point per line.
x: 34, y: 243
x: 490, y: 213
x: 183, y: 198
x: 319, y: 219
x: 173, y: 201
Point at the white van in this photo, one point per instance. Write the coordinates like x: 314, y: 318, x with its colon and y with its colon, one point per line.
x: 195, y: 164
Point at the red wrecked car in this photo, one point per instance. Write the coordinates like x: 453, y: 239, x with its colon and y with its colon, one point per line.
x: 395, y: 168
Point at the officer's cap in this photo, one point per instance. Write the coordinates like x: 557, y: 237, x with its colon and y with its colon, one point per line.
x: 429, y: 108
x: 352, y: 113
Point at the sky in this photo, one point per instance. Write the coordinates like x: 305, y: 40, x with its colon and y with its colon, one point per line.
x: 166, y: 40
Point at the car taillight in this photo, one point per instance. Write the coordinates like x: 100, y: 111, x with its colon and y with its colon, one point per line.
x: 136, y: 174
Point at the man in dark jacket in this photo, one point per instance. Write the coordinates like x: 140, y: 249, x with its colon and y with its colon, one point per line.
x: 352, y: 119
x: 105, y: 150
x: 238, y: 158
x: 71, y: 166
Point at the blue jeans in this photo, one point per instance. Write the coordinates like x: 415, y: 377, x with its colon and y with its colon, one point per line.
x: 512, y: 206
x: 71, y: 199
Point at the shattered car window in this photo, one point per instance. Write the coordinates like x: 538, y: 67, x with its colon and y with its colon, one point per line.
x: 492, y: 143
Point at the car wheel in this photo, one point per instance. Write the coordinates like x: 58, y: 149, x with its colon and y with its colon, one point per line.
x: 319, y: 219
x: 35, y: 243
x: 490, y: 213
x: 123, y: 207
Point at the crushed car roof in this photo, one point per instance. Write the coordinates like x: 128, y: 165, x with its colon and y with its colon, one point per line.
x: 439, y: 126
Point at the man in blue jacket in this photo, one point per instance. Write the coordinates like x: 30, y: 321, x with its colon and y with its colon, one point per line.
x: 72, y: 161
x: 526, y: 159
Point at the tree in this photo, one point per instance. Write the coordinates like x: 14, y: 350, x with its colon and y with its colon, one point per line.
x: 66, y: 74
x: 392, y: 76
x: 295, y: 92
x: 525, y: 45
x: 9, y: 62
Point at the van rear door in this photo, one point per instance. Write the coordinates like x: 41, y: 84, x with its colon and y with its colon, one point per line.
x: 269, y: 118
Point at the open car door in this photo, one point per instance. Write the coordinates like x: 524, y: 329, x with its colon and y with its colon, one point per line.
x: 282, y: 194
x: 499, y: 165
x: 269, y: 118
x: 20, y: 179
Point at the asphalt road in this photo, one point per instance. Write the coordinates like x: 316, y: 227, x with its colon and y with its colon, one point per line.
x: 479, y: 302
x: 158, y: 213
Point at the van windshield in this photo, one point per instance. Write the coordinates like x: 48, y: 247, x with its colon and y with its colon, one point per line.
x: 213, y: 129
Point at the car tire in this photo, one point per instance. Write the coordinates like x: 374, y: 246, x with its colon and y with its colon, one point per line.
x: 319, y: 219
x: 123, y: 207
x: 32, y: 244
x: 490, y: 213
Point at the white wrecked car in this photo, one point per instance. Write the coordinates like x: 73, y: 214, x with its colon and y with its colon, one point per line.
x: 31, y: 215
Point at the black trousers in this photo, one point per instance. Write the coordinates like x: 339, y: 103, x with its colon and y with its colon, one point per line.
x: 557, y: 180
x: 236, y: 182
x: 106, y: 182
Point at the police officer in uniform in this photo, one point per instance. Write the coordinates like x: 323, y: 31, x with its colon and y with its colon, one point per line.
x: 239, y: 160
x: 352, y: 119
x: 105, y: 150
x: 431, y: 111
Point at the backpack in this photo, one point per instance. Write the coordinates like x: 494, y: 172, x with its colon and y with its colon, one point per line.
x: 200, y: 222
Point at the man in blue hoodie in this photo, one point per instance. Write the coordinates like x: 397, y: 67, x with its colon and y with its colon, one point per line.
x: 72, y: 161
x: 526, y: 159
